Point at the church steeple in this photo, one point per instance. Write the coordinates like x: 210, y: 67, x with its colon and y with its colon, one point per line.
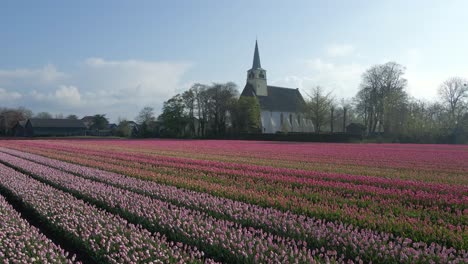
x: 256, y: 60
x: 257, y: 76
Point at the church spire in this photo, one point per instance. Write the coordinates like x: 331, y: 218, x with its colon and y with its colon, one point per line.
x: 256, y: 60
x: 257, y: 76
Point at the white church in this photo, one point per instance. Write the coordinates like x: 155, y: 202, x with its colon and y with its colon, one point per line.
x: 281, y: 108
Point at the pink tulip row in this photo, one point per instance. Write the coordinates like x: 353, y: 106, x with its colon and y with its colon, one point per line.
x: 422, y: 157
x: 401, y: 216
x: 106, y: 237
x: 425, y: 193
x: 366, y: 244
x: 420, y: 200
x: 220, y: 238
x: 387, y: 155
x: 23, y: 243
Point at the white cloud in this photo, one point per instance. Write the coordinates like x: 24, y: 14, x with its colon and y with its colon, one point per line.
x: 47, y: 74
x: 68, y: 96
x: 6, y: 95
x: 112, y: 87
x: 340, y: 50
x: 342, y: 79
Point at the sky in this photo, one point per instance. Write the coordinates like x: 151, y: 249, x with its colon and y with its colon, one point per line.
x: 116, y: 57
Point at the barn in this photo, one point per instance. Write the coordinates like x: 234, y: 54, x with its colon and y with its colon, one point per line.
x: 35, y: 127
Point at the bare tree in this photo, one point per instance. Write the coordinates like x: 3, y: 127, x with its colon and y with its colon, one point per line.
x: 44, y: 115
x: 382, y: 96
x: 146, y: 120
x: 146, y: 115
x: 454, y: 93
x: 10, y: 116
x: 189, y: 100
x: 201, y: 101
x: 318, y: 107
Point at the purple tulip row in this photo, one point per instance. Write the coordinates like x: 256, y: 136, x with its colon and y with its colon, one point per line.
x: 224, y: 240
x: 24, y: 243
x: 106, y: 237
x: 365, y: 244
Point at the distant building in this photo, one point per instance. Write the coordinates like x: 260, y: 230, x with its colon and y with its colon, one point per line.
x: 35, y: 127
x: 356, y: 129
x: 19, y: 129
x: 282, y: 109
x: 88, y: 121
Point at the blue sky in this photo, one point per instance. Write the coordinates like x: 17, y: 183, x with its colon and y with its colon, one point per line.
x: 115, y: 57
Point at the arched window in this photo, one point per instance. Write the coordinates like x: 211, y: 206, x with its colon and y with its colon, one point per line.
x: 281, y: 119
x: 262, y: 75
x: 251, y: 75
x: 290, y: 119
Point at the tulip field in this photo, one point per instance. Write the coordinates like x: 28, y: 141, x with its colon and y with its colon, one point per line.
x: 214, y: 201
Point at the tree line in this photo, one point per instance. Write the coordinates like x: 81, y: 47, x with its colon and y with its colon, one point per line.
x: 386, y: 111
x: 382, y: 107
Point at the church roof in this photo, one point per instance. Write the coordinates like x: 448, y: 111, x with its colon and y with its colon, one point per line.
x: 256, y: 61
x: 248, y: 90
x: 278, y: 98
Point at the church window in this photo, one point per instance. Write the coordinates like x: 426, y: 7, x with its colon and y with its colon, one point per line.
x: 290, y: 119
x: 251, y: 75
x: 281, y: 119
x: 299, y: 119
x: 262, y: 74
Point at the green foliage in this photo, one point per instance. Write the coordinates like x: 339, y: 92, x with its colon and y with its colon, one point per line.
x: 173, y: 117
x: 246, y: 115
x: 124, y: 129
x: 100, y: 122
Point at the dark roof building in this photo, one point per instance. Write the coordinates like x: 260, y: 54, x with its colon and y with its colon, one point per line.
x: 19, y: 129
x: 356, y: 129
x: 54, y: 127
x: 278, y: 98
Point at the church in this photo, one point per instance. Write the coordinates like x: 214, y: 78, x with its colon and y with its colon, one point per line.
x: 282, y: 109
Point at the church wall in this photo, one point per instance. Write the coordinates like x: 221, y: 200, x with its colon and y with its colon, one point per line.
x: 271, y: 122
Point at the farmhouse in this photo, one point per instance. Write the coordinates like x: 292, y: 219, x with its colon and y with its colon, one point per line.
x: 282, y: 109
x: 54, y: 127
